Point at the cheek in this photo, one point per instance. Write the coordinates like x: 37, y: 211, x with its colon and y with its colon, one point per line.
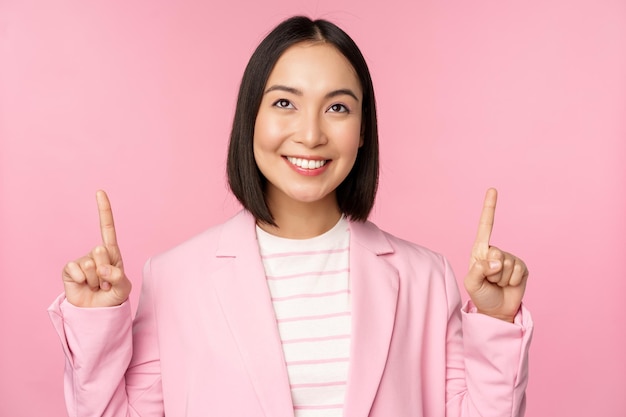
x: 268, y: 133
x: 350, y: 137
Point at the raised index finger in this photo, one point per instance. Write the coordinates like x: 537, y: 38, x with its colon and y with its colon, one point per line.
x: 485, y: 225
x: 107, y: 226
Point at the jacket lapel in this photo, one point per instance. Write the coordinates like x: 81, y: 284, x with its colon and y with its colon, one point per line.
x: 246, y: 302
x: 374, y: 291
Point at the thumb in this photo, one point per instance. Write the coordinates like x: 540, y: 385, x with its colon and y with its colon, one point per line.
x: 481, y: 270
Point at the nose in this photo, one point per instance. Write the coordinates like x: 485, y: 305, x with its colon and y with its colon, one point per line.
x: 311, y: 132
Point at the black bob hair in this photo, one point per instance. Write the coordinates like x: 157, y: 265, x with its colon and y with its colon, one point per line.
x: 356, y: 194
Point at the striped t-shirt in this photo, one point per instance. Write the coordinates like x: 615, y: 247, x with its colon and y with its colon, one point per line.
x: 309, y: 284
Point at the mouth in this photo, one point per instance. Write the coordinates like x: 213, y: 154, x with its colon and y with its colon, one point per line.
x: 307, y: 163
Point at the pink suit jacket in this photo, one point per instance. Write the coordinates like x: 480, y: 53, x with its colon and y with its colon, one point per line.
x: 205, y: 340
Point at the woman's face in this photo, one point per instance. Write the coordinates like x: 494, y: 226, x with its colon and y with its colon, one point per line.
x: 308, y: 128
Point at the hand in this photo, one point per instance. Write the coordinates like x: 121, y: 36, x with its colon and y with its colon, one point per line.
x: 97, y: 279
x: 496, y: 280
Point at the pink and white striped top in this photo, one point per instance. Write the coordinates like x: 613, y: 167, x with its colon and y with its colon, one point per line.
x: 309, y: 284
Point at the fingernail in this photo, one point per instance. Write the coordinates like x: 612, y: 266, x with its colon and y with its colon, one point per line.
x: 105, y: 285
x: 494, y: 264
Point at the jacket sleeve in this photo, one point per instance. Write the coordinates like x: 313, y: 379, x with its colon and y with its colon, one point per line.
x: 486, y: 360
x: 112, y: 366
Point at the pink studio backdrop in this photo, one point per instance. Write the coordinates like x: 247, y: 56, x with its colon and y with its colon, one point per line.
x: 137, y: 97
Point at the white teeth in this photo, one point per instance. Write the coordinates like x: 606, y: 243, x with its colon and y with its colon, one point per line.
x: 307, y: 163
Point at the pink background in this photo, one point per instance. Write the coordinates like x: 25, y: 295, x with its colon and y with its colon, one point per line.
x: 137, y: 98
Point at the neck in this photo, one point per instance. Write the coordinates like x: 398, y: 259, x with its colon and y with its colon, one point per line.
x: 299, y: 220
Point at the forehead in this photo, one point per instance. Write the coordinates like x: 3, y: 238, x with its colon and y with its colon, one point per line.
x: 314, y: 65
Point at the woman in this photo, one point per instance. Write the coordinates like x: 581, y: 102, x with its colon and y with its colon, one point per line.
x: 297, y: 305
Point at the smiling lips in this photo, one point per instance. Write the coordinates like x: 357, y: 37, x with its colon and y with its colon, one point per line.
x: 307, y: 166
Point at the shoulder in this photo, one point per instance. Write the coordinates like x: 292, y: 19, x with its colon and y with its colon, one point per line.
x: 421, y: 272
x: 394, y: 249
x: 211, y: 242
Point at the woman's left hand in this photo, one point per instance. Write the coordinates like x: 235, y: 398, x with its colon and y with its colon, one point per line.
x: 496, y: 280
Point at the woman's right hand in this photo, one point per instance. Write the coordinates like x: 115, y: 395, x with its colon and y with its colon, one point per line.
x: 97, y: 279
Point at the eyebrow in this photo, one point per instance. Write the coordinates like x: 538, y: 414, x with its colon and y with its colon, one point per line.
x: 334, y: 93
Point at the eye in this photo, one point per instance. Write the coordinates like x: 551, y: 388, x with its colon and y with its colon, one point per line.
x: 338, y: 108
x: 283, y: 103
